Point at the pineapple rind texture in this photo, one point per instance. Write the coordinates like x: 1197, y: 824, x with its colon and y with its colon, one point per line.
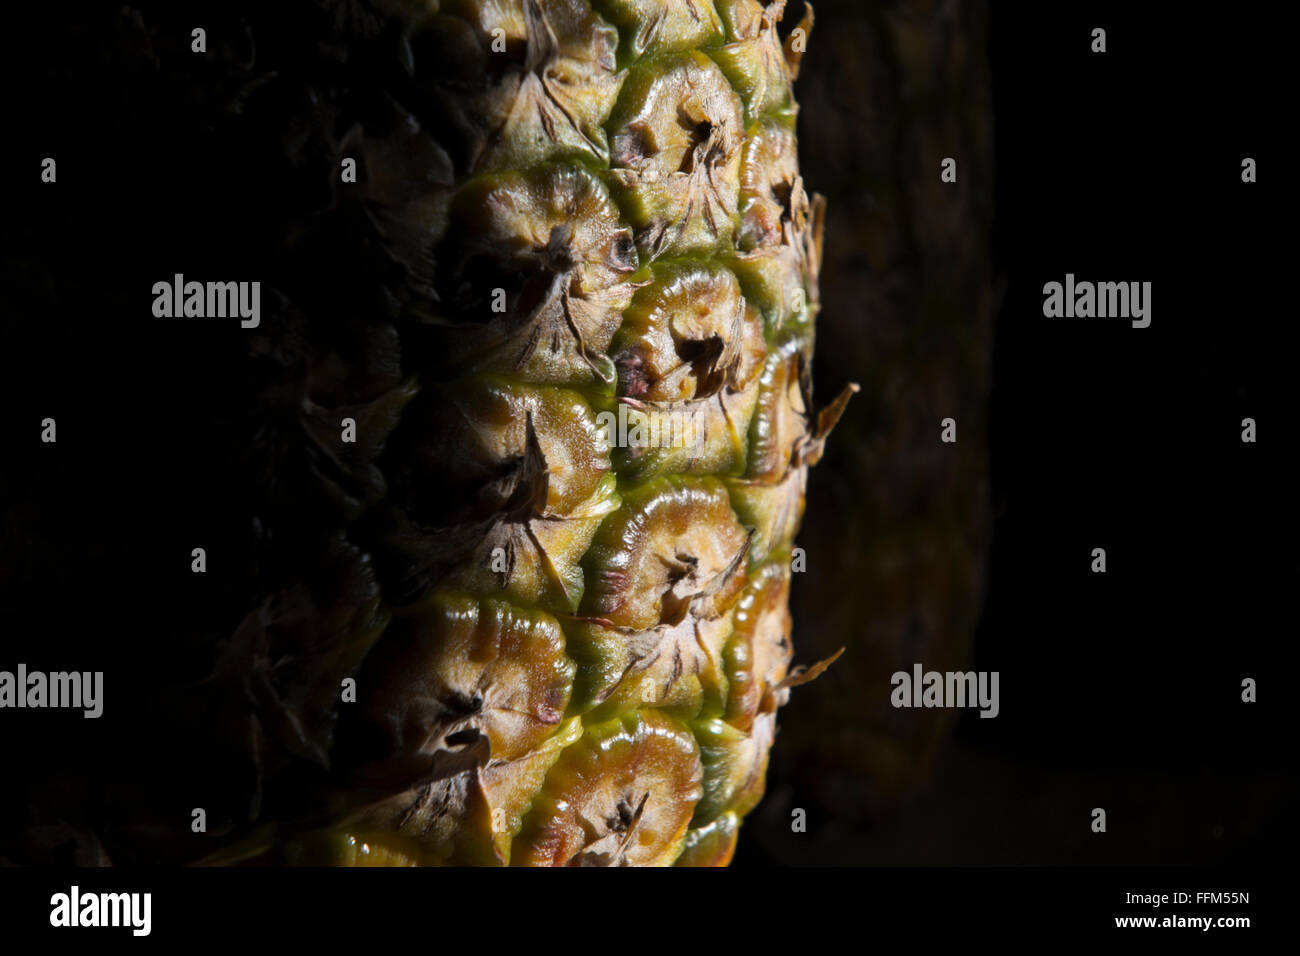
x: 595, y: 231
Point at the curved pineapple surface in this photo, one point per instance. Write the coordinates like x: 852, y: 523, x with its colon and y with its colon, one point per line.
x: 602, y: 272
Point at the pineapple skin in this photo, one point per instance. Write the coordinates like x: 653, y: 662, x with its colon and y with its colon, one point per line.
x: 608, y: 212
x: 488, y: 631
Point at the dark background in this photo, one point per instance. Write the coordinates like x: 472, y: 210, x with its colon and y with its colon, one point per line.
x: 1119, y: 690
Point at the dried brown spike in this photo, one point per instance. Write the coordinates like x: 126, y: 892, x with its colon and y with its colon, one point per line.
x: 794, y: 56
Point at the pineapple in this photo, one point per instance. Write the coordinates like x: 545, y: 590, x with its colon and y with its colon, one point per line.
x: 531, y: 420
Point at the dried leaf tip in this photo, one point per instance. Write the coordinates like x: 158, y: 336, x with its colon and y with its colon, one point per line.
x: 803, y: 675
x: 797, y: 42
x: 813, y: 446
